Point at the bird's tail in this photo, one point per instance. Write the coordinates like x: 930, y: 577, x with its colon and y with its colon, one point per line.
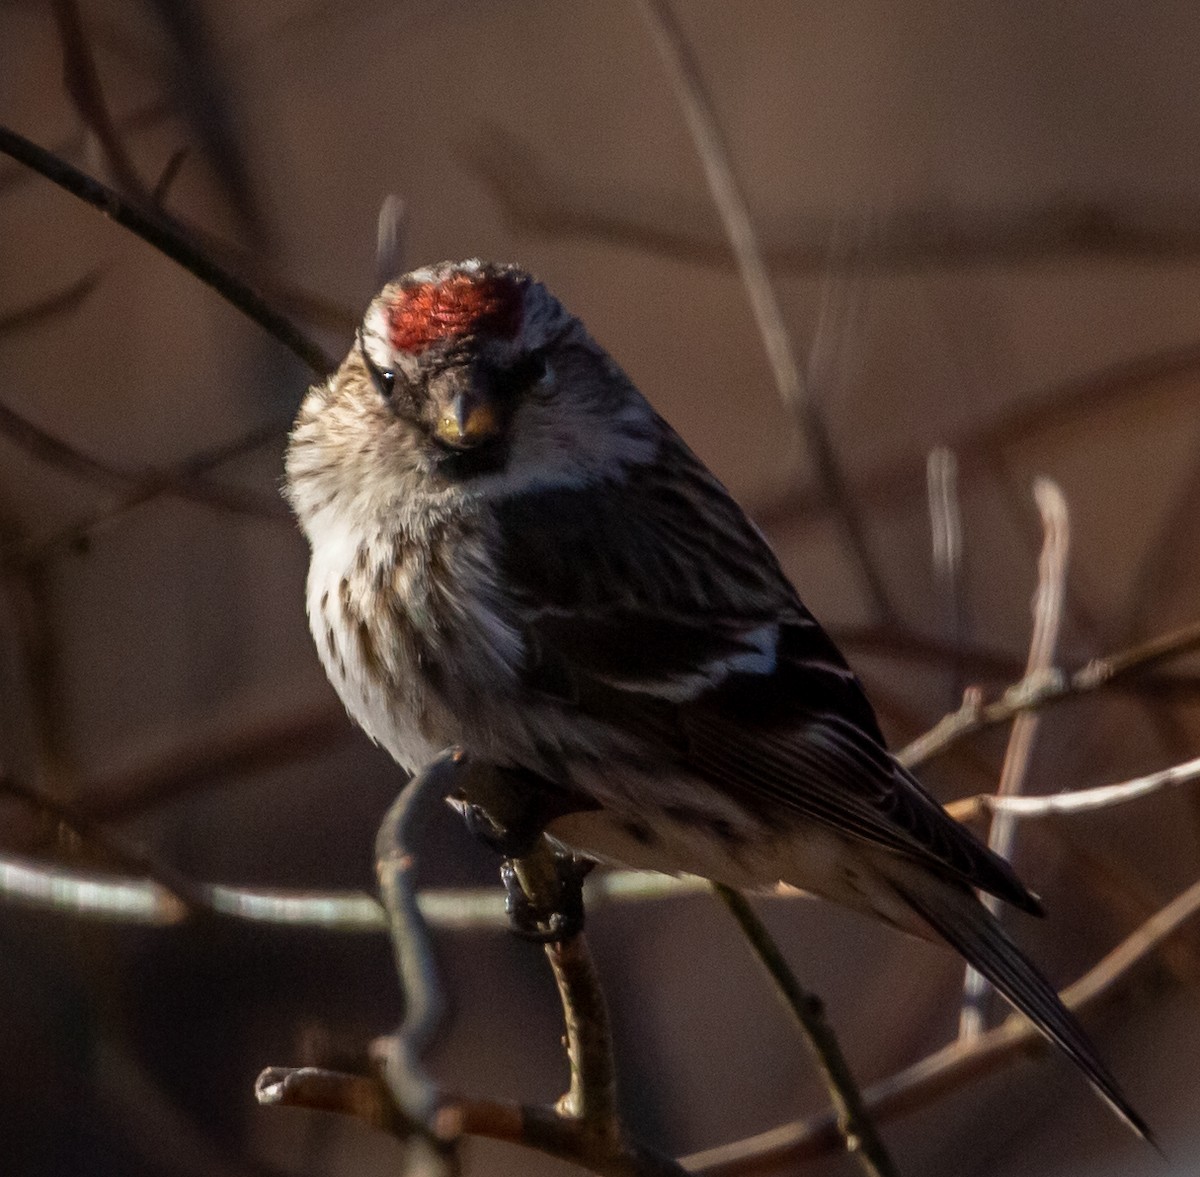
x: 953, y: 911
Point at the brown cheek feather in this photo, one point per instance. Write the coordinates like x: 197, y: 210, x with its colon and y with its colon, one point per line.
x: 461, y: 305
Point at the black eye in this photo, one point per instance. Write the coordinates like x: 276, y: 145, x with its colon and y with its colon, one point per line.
x: 384, y: 379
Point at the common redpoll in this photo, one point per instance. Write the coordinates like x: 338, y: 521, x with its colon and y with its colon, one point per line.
x: 512, y: 553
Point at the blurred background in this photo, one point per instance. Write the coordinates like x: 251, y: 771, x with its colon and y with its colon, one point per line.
x: 982, y: 223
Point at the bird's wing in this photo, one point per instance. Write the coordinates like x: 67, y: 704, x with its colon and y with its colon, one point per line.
x: 652, y: 603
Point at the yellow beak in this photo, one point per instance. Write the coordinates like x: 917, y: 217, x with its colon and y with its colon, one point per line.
x: 466, y: 421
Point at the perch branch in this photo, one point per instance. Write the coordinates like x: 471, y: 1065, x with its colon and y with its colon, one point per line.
x: 855, y: 1125
x: 944, y: 1070
x: 583, y: 1126
x: 730, y: 201
x: 1048, y: 605
x: 530, y: 1126
x: 92, y: 894
x: 591, y: 1098
x: 413, y: 1092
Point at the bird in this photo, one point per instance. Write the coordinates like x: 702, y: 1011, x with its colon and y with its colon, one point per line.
x: 513, y: 554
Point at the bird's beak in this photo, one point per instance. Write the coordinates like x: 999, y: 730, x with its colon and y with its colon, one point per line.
x: 466, y: 413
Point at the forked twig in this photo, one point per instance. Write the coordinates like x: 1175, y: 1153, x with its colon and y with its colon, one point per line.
x: 1054, y: 687
x: 165, y: 234
x: 413, y: 1092
x: 89, y: 894
x: 731, y: 204
x: 1048, y: 604
x: 584, y: 1126
x: 43, y: 445
x: 947, y: 1069
x: 854, y: 1121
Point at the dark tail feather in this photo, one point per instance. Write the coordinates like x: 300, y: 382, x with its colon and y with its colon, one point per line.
x: 960, y: 919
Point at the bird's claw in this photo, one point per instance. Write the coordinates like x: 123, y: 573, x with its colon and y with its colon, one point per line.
x: 545, y: 924
x: 511, y: 839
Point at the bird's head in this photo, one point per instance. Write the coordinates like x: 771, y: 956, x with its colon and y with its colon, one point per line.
x: 465, y: 377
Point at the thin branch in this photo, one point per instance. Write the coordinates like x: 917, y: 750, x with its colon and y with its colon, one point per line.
x: 168, y: 175
x: 855, y: 1125
x: 730, y: 201
x: 413, y: 1091
x: 945, y: 522
x: 123, y: 853
x: 538, y: 200
x: 591, y: 1098
x: 39, y: 443
x: 173, y: 479
x: 1080, y: 801
x: 170, y: 238
x: 947, y: 1069
x: 584, y: 1125
x: 95, y: 894
x: 245, y: 740
x: 530, y: 1126
x: 1047, y: 620
x: 82, y: 81
x: 1062, y: 405
x: 92, y: 894
x: 148, y: 116
x: 1051, y: 688
x: 36, y: 313
x: 391, y: 240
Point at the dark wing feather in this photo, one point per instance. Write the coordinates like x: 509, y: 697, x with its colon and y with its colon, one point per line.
x: 653, y: 603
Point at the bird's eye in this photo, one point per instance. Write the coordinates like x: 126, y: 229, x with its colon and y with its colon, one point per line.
x: 384, y: 379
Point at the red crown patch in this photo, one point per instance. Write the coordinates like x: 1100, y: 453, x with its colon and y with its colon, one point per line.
x: 460, y: 305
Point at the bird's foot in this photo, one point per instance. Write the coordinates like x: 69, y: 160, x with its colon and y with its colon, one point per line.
x: 554, y: 916
x: 508, y: 809
x: 511, y: 838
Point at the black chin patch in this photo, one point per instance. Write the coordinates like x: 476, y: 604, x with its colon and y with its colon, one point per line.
x: 453, y: 465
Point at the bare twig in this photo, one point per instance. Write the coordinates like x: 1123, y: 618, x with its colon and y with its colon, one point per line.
x: 731, y: 204
x: 854, y: 1122
x: 1061, y: 405
x: 169, y: 174
x: 93, y: 894
x: 947, y: 1069
x: 1054, y: 687
x: 166, y: 235
x: 536, y: 199
x: 46, y: 447
x: 82, y: 81
x: 414, y: 1093
x: 584, y: 1125
x: 591, y: 1098
x: 391, y: 240
x: 1080, y: 801
x: 1047, y: 620
x: 125, y: 854
x: 530, y: 1126
x: 58, y: 303
x: 945, y: 519
x: 171, y: 479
